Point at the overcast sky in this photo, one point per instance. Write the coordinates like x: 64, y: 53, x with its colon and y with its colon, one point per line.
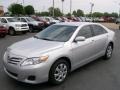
x: 43, y: 5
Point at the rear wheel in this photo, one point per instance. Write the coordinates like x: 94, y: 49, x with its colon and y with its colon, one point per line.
x: 109, y: 51
x: 12, y: 32
x: 59, y: 72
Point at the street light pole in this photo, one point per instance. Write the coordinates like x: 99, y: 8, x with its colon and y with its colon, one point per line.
x: 119, y: 10
x: 70, y: 7
x: 23, y: 2
x: 91, y: 11
x: 62, y: 6
x: 53, y: 8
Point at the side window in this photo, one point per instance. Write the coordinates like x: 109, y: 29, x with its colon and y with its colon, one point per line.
x: 98, y: 30
x: 23, y: 20
x: 3, y: 20
x: 86, y: 32
x: 18, y: 19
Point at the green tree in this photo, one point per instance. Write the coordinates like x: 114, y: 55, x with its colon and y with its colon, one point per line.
x: 44, y: 14
x: 74, y: 13
x: 97, y: 14
x: 68, y: 14
x: 57, y: 11
x: 80, y: 13
x: 114, y: 15
x: 106, y: 14
x: 16, y: 9
x: 29, y: 10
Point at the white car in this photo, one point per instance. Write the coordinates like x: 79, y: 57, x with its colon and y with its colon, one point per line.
x: 13, y: 25
x: 59, y: 49
x: 52, y: 20
x: 32, y: 23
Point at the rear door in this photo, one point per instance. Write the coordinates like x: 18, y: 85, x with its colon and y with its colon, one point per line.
x: 100, y: 39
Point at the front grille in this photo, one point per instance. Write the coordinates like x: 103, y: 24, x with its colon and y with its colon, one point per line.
x: 14, y: 60
x: 23, y: 25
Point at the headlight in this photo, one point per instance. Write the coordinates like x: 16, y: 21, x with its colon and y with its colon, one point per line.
x: 34, y: 61
x: 18, y: 25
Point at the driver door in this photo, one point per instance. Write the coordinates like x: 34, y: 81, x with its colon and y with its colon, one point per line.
x: 83, y: 51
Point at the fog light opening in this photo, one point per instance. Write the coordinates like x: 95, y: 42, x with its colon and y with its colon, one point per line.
x: 31, y: 78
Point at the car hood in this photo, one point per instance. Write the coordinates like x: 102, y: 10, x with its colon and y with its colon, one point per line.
x: 56, y: 21
x: 32, y: 47
x: 18, y: 23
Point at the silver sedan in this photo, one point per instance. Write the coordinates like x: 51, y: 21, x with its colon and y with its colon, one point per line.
x: 56, y: 51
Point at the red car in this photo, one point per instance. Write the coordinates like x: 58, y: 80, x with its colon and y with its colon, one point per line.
x: 3, y: 31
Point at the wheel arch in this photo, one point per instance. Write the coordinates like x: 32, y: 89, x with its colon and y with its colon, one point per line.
x: 111, y: 42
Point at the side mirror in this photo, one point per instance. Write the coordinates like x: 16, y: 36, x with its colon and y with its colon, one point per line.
x: 80, y: 38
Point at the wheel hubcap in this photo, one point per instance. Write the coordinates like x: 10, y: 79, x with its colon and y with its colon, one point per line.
x: 109, y: 51
x: 60, y: 72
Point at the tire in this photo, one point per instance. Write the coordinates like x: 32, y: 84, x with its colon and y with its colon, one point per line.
x: 12, y: 32
x: 3, y: 35
x: 24, y: 32
x: 109, y: 51
x: 59, y: 72
x: 30, y: 29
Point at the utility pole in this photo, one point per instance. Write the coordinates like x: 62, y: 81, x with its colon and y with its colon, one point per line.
x: 17, y: 1
x: 62, y: 6
x: 23, y: 3
x: 91, y: 11
x: 71, y: 7
x: 53, y: 9
x: 119, y: 10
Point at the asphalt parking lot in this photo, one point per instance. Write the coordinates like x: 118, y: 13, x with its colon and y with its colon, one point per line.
x: 98, y: 75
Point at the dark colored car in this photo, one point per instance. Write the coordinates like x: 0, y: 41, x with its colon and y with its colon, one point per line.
x: 3, y: 31
x: 41, y: 19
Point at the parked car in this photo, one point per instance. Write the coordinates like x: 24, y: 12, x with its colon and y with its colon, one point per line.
x: 117, y: 20
x: 51, y: 20
x: 13, y: 25
x: 56, y: 51
x: 3, y: 31
x: 32, y: 23
x: 46, y: 22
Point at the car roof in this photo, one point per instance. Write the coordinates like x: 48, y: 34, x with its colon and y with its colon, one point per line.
x: 75, y: 23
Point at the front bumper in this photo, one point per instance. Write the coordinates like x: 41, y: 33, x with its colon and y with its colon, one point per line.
x: 22, y: 28
x: 40, y: 27
x: 28, y: 74
x: 32, y: 76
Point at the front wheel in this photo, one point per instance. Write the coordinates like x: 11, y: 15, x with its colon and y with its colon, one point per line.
x: 109, y: 51
x: 30, y: 29
x: 59, y: 72
x: 12, y: 32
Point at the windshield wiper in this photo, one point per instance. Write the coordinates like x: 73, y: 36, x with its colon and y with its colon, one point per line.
x: 46, y: 39
x: 43, y: 38
x: 36, y: 37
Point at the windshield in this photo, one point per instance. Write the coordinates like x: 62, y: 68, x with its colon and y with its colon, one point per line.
x: 60, y: 33
x: 12, y: 20
x: 30, y: 19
